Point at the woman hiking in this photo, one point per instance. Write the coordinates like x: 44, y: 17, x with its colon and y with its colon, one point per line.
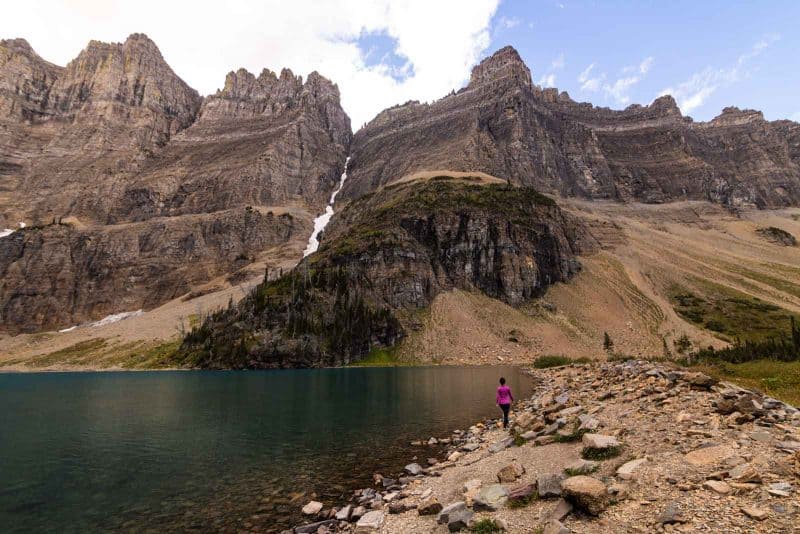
x: 504, y: 398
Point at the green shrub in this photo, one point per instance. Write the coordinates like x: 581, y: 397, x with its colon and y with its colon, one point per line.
x: 522, y: 503
x: 486, y: 526
x: 590, y: 453
x: 543, y: 362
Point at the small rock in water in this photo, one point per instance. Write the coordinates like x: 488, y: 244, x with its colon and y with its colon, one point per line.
x: 413, y: 469
x: 312, y: 508
x: 433, y: 441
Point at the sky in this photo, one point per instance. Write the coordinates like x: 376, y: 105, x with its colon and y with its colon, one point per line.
x: 708, y: 54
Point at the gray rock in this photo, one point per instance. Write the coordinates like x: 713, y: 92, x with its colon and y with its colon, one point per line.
x: 581, y: 467
x: 456, y: 516
x: 357, y: 513
x: 790, y: 446
x: 490, y: 498
x: 470, y: 446
x: 780, y: 489
x: 312, y: 508
x: 626, y: 471
x: 563, y: 398
x: 370, y: 522
x: 671, y: 515
x: 413, y: 469
x: 344, y: 513
x: 549, y: 485
x: 501, y: 445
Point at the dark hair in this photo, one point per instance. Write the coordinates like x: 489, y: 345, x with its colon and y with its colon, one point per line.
x: 502, y: 381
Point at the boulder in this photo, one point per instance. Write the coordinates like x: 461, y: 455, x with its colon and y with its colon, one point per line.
x: 585, y: 493
x: 709, y: 455
x: 369, y: 522
x: 581, y: 467
x: 745, y: 473
x: 490, y: 498
x: 510, y: 472
x: 549, y: 485
x: 471, y: 489
x: 312, y: 508
x: 429, y: 506
x: 599, y: 441
x: 522, y: 493
x: 626, y: 471
x: 456, y: 516
x: 357, y: 513
x: 524, y: 421
x: 701, y: 381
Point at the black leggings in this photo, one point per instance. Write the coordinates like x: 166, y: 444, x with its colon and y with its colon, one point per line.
x: 505, y: 408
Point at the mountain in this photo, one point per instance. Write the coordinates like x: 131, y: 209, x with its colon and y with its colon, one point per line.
x: 135, y: 189
x: 443, y: 229
x: 388, y: 255
x: 504, y: 125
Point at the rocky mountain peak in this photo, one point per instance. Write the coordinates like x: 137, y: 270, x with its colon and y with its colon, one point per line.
x: 666, y: 104
x: 505, y: 63
x: 733, y: 116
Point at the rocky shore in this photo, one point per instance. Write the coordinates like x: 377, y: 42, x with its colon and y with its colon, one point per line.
x: 614, y: 447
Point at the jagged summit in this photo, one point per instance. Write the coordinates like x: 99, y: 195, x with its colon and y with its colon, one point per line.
x: 504, y: 63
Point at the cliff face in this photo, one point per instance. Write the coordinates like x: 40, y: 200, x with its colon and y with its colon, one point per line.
x: 118, y: 145
x: 387, y: 256
x: 504, y: 125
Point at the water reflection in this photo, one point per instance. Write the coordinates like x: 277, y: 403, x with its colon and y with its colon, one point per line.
x: 216, y: 450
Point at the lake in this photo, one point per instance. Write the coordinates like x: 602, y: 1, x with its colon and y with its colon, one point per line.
x: 218, y: 450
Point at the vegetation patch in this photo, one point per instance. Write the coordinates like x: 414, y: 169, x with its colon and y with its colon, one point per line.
x: 485, y: 526
x: 575, y: 472
x: 730, y: 314
x: 382, y: 357
x: 590, y: 453
x: 575, y: 435
x: 522, y: 502
x: 544, y: 362
x: 775, y: 378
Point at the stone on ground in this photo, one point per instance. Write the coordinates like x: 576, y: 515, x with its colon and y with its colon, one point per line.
x: 581, y: 467
x: 555, y: 527
x: 562, y: 510
x: 370, y: 522
x: 522, y: 493
x: 490, y: 498
x: 510, y: 473
x: 709, y: 455
x: 599, y: 441
x: 718, y: 486
x: 626, y: 471
x: 585, y: 493
x: 456, y: 516
x: 430, y: 506
x: 344, y: 513
x: 549, y: 485
x: 759, y: 514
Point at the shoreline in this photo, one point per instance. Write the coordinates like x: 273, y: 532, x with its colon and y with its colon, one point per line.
x: 636, y: 493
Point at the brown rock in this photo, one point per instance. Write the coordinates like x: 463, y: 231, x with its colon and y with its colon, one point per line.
x: 586, y: 493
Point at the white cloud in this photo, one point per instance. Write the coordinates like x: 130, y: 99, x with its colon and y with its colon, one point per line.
x: 795, y: 117
x: 693, y: 93
x: 204, y: 40
x: 619, y: 89
x: 509, y: 22
x: 548, y: 80
x: 558, y: 63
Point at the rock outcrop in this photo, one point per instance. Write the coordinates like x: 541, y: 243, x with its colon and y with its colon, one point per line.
x: 504, y: 125
x: 386, y: 256
x: 161, y: 188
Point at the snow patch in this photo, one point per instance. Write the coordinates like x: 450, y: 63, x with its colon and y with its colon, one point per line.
x: 322, y: 221
x: 113, y: 318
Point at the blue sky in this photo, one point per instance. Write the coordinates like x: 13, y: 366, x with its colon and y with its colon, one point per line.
x: 709, y: 54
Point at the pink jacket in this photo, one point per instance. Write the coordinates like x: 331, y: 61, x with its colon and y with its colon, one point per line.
x: 504, y: 395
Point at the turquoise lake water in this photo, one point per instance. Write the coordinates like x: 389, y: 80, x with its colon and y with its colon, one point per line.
x: 217, y: 451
